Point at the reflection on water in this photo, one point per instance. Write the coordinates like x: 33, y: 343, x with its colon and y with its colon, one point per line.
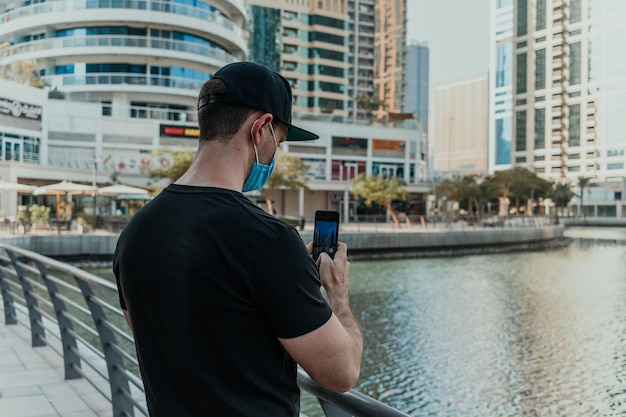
x: 540, y: 333
x: 521, y: 334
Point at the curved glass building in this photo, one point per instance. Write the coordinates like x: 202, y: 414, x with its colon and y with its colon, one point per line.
x: 139, y: 58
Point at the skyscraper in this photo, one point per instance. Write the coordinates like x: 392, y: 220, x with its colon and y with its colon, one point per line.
x: 389, y: 56
x: 416, y: 77
x: 501, y: 85
x: 569, y: 98
x: 307, y: 42
x: 361, y: 58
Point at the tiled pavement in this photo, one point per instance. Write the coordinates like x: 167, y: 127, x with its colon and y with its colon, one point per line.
x: 32, y: 382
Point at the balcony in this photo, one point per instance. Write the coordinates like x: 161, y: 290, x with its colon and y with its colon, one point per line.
x: 107, y: 44
x: 88, y: 12
x: 130, y: 81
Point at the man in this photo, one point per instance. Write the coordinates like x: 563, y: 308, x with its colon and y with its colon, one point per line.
x: 223, y: 298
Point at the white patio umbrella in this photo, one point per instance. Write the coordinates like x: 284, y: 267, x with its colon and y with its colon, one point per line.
x: 15, y: 186
x: 64, y: 187
x: 121, y: 189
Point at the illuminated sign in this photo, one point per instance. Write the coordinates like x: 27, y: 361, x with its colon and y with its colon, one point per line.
x: 20, y: 110
x: 388, y: 145
x: 180, y: 131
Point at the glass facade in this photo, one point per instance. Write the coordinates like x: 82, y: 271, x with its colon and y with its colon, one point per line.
x: 522, y: 17
x: 574, y: 125
x: 540, y: 128
x: 520, y: 130
x: 504, y: 68
x: 575, y: 64
x: 265, y: 36
x: 504, y: 128
x: 520, y: 74
x: 541, y: 15
x: 540, y: 69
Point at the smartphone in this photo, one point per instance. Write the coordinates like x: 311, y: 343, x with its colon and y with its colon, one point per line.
x: 325, y: 233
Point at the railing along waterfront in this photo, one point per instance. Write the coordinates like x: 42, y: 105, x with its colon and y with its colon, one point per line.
x: 74, y: 313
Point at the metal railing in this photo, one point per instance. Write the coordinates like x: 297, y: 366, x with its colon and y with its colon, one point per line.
x: 75, y: 313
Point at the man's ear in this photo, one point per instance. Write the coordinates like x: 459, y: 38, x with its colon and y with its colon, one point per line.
x: 262, y: 122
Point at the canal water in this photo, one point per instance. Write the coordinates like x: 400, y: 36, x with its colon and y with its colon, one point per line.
x: 518, y: 334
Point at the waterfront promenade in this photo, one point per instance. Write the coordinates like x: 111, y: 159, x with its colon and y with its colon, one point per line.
x: 32, y: 382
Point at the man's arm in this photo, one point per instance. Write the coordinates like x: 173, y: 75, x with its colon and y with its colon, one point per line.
x: 332, y: 353
x: 127, y: 317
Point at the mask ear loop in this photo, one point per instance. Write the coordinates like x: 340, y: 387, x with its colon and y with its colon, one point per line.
x: 256, y: 153
x: 274, y: 136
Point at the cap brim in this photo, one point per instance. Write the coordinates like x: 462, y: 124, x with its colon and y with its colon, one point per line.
x: 296, y: 134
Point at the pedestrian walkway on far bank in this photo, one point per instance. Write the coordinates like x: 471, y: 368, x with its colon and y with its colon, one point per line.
x: 32, y: 382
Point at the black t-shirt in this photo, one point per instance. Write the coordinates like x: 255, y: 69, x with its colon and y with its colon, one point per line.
x: 210, y: 282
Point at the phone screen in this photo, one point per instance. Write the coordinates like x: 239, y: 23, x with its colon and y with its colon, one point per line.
x: 325, y: 233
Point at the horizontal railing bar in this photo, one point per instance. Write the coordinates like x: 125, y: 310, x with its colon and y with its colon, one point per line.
x: 132, y: 399
x: 86, y: 377
x: 79, y: 323
x: 74, y: 304
x: 86, y: 360
x: 86, y: 344
x: 125, y: 354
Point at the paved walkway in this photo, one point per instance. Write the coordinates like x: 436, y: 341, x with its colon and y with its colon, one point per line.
x: 32, y: 382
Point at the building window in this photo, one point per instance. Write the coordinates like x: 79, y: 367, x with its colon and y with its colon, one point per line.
x: 522, y: 17
x: 541, y: 15
x: 503, y: 140
x: 574, y: 125
x: 575, y: 60
x: 504, y: 75
x: 520, y: 131
x: 540, y: 129
x: 576, y: 11
x: 521, y: 74
x: 573, y: 169
x: 290, y: 66
x: 540, y: 69
x: 618, y: 165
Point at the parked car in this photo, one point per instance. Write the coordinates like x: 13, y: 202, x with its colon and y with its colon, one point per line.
x: 296, y: 221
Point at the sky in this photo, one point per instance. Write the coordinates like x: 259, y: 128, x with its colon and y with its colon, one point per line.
x: 457, y: 33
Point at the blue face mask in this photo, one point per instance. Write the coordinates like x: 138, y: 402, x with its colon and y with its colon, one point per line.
x: 260, y: 173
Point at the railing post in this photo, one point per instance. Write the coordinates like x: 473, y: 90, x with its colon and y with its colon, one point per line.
x: 37, y: 331
x: 66, y: 329
x: 122, y: 406
x: 10, y: 316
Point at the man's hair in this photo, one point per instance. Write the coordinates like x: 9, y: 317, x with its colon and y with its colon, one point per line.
x: 220, y: 120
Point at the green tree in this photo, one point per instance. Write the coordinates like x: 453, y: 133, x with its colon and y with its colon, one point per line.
x: 562, y: 195
x: 520, y: 185
x: 178, y: 162
x: 380, y: 190
x: 583, y: 183
x: 289, y: 174
x: 468, y: 189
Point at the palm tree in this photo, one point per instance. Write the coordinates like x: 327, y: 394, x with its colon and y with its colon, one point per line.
x: 583, y: 183
x: 562, y: 195
x: 380, y: 190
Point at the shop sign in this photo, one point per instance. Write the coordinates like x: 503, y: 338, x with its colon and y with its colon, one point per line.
x: 20, y: 110
x: 388, y: 145
x: 177, y: 131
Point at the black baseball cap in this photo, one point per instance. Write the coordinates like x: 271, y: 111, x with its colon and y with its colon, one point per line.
x: 260, y: 88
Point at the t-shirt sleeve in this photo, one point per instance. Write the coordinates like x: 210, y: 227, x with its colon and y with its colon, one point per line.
x: 289, y: 292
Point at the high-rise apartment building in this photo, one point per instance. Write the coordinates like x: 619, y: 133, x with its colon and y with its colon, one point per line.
x: 307, y: 42
x: 389, y: 56
x: 569, y: 95
x: 417, y: 84
x: 361, y: 58
x: 501, y: 85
